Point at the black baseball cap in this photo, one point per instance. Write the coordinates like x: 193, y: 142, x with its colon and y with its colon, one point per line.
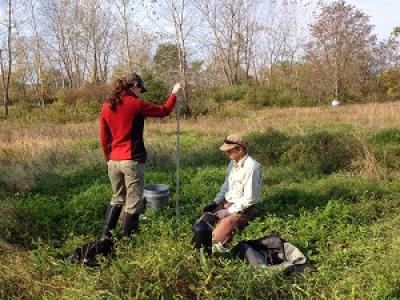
x: 138, y: 81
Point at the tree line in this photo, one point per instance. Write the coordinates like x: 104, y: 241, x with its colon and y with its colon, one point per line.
x: 287, y: 52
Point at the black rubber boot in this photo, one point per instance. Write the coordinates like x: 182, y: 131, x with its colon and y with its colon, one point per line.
x: 111, y: 221
x: 131, y: 224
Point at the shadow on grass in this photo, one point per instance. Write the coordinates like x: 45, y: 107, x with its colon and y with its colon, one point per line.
x: 311, y: 194
x: 394, y: 295
x: 64, y: 186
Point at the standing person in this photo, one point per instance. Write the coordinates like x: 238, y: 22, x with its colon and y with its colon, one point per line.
x: 233, y: 207
x: 121, y: 134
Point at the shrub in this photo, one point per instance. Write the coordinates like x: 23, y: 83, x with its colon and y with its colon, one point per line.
x: 233, y: 93
x: 10, y: 229
x: 156, y: 89
x: 325, y: 151
x: 331, y: 152
x: 268, y: 147
x: 86, y: 210
x: 258, y: 97
x: 85, y: 95
x: 386, y: 136
x: 35, y: 216
x: 289, y: 174
x: 385, y: 145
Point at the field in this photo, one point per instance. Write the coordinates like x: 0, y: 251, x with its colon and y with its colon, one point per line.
x: 331, y: 187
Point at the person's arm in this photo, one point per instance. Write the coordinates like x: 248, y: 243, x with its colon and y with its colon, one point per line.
x: 153, y: 110
x: 105, y: 138
x: 251, y: 191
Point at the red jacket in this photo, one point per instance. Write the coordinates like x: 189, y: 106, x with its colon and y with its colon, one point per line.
x: 121, y: 131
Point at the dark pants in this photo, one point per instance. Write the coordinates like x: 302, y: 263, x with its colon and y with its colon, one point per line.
x: 226, y: 227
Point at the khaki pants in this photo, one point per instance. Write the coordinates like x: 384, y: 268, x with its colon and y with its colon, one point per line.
x: 127, y: 182
x: 227, y: 226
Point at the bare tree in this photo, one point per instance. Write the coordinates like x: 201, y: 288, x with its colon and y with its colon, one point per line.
x: 392, y: 46
x: 178, y: 11
x: 231, y: 26
x: 78, y: 48
x: 124, y: 7
x: 6, y: 75
x: 97, y: 29
x: 176, y: 21
x: 133, y: 42
x: 57, y: 11
x: 37, y: 55
x: 279, y: 40
x: 342, y: 43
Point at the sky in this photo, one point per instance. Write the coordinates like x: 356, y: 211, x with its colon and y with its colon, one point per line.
x: 384, y: 14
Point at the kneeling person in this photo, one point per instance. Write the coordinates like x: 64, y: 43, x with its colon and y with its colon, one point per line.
x: 233, y: 207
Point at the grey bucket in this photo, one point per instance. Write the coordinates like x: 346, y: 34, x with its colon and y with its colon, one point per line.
x: 156, y: 195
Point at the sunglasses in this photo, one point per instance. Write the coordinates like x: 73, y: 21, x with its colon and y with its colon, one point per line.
x: 230, y: 142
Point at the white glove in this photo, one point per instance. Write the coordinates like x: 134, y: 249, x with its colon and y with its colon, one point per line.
x: 177, y: 87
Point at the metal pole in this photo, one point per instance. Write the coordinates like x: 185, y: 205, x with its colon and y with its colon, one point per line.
x: 178, y: 112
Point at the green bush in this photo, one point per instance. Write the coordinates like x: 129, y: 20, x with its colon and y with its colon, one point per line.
x: 327, y: 151
x: 39, y: 216
x: 389, y: 136
x: 289, y: 174
x: 385, y: 145
x: 269, y: 147
x: 234, y: 93
x: 331, y: 152
x: 11, y: 229
x: 258, y: 97
x: 86, y: 210
x: 157, y: 91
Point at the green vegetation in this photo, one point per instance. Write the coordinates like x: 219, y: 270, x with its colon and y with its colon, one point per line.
x: 319, y: 192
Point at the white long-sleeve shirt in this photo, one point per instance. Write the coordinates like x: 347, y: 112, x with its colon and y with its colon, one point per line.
x: 242, y: 185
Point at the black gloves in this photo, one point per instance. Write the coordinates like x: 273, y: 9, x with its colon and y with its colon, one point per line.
x: 210, y: 207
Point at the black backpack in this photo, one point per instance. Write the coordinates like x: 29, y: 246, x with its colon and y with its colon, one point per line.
x: 86, y: 254
x: 268, y: 250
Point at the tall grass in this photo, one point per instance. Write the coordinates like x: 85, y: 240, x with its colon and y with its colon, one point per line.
x: 330, y: 187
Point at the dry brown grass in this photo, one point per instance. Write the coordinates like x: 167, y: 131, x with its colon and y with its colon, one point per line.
x: 12, y: 135
x: 234, y: 117
x: 28, y: 151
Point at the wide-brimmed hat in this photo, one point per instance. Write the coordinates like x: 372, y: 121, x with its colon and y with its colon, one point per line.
x: 135, y: 79
x: 233, y: 141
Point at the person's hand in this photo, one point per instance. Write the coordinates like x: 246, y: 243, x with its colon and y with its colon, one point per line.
x: 177, y: 87
x: 210, y: 207
x: 223, y: 213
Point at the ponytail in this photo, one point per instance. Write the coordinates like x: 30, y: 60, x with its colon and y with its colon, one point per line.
x: 120, y: 87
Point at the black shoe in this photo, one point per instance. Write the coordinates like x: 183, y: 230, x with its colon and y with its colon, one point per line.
x: 131, y: 224
x: 111, y: 221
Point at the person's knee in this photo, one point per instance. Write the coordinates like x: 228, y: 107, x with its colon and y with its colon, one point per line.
x: 230, y: 221
x: 117, y: 201
x: 134, y: 206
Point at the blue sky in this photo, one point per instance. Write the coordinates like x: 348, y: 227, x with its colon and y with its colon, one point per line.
x: 385, y: 14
